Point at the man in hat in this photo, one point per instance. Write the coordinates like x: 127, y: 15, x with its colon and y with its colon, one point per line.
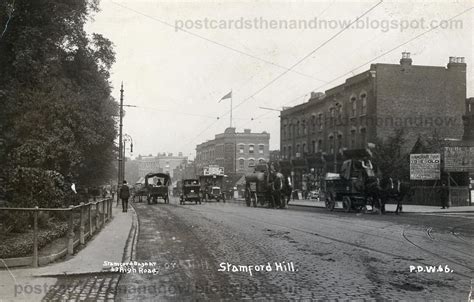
x: 124, y: 195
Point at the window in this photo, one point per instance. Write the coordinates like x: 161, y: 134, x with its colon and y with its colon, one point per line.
x: 320, y: 121
x: 297, y: 148
x: 303, y: 123
x: 241, y: 163
x: 304, y: 149
x: 261, y: 148
x: 353, y: 105
x: 363, y: 137
x: 314, y: 146
x: 313, y: 123
x: 320, y: 145
x: 297, y: 128
x: 363, y: 98
x: 284, y: 152
x: 251, y: 162
x: 251, y: 149
x: 241, y: 148
x: 283, y: 132
x: 353, y: 139
x: 289, y: 152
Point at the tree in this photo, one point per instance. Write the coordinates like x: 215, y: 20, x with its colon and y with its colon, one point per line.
x: 390, y: 157
x: 57, y: 111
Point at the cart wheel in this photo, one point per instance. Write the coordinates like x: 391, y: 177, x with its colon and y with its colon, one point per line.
x: 330, y: 203
x: 346, y: 204
x: 255, y: 200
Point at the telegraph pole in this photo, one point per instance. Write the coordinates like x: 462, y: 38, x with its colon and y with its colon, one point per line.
x: 120, y: 159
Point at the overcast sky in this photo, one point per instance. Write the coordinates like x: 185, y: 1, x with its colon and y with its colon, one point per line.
x: 177, y: 77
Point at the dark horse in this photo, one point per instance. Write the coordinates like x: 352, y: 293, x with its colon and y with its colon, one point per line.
x: 280, y: 190
x: 394, y: 189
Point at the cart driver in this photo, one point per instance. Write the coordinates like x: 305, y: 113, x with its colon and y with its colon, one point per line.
x: 158, y: 183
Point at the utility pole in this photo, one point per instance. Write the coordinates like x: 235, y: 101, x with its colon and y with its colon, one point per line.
x: 120, y: 159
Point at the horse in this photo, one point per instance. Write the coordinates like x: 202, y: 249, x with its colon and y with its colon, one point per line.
x: 396, y: 190
x: 279, y: 190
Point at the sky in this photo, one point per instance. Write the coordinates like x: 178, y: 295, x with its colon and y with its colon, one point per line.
x: 178, y: 59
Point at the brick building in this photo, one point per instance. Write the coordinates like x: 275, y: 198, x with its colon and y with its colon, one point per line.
x: 237, y: 152
x: 468, y: 119
x: 372, y: 104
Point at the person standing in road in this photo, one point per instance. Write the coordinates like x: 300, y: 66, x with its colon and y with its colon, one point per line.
x: 124, y: 195
x: 444, y: 195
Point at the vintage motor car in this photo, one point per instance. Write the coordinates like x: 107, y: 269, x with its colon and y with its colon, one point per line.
x: 191, y: 191
x: 211, y: 187
x: 159, y: 188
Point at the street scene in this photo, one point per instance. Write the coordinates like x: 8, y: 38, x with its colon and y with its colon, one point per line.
x: 236, y: 151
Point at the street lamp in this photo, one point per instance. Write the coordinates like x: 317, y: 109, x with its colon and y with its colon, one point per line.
x: 126, y: 138
x: 337, y: 109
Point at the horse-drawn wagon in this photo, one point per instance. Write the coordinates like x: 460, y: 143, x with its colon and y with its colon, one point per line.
x: 266, y: 187
x: 159, y: 188
x: 356, y: 186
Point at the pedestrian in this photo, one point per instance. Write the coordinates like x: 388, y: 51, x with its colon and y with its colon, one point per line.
x: 124, y: 195
x: 444, y: 195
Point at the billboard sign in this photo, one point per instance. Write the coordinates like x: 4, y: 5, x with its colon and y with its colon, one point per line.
x: 425, y: 166
x: 459, y: 159
x: 213, y: 170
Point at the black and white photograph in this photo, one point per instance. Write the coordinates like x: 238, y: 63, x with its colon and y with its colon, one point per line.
x: 254, y: 150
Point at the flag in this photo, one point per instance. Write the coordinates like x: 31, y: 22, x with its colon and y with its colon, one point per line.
x: 227, y: 96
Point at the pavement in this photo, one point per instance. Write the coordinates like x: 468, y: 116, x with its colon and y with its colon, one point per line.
x: 407, y: 208
x: 33, y: 284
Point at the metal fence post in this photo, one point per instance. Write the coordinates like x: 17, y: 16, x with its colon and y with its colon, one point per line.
x: 81, y: 228
x: 89, y: 208
x: 70, y: 245
x: 97, y: 216
x: 35, y: 237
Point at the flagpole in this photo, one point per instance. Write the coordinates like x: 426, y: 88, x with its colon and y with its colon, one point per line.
x: 231, y: 108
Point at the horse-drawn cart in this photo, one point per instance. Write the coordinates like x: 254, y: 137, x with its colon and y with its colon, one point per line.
x: 159, y: 188
x: 356, y: 186
x: 266, y: 187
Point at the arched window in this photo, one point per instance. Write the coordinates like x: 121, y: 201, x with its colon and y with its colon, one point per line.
x: 353, y: 138
x: 241, y: 164
x: 251, y: 162
x: 297, y: 128
x: 303, y: 123
x: 353, y: 102
x: 320, y: 121
x: 363, y: 100
x: 363, y: 137
x: 261, y: 161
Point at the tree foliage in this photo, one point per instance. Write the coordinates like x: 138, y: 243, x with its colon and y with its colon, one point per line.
x: 57, y: 111
x: 390, y: 157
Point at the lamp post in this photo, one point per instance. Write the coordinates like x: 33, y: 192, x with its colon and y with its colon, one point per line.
x: 126, y: 138
x: 337, y: 108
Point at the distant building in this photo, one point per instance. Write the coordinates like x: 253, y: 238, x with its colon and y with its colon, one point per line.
x: 185, y: 170
x: 162, y: 163
x: 237, y: 152
x: 275, y: 155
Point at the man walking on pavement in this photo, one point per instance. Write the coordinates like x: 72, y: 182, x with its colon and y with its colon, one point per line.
x: 124, y: 195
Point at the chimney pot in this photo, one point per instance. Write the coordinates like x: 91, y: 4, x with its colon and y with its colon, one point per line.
x: 405, y: 60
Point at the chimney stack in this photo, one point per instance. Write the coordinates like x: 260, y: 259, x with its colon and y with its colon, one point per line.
x: 405, y: 60
x: 456, y: 62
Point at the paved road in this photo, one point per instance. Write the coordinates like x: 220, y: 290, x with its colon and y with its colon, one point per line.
x: 335, y: 255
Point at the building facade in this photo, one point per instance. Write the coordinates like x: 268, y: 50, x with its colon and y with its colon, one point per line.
x: 469, y: 121
x: 371, y: 105
x: 237, y: 152
x: 162, y: 163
